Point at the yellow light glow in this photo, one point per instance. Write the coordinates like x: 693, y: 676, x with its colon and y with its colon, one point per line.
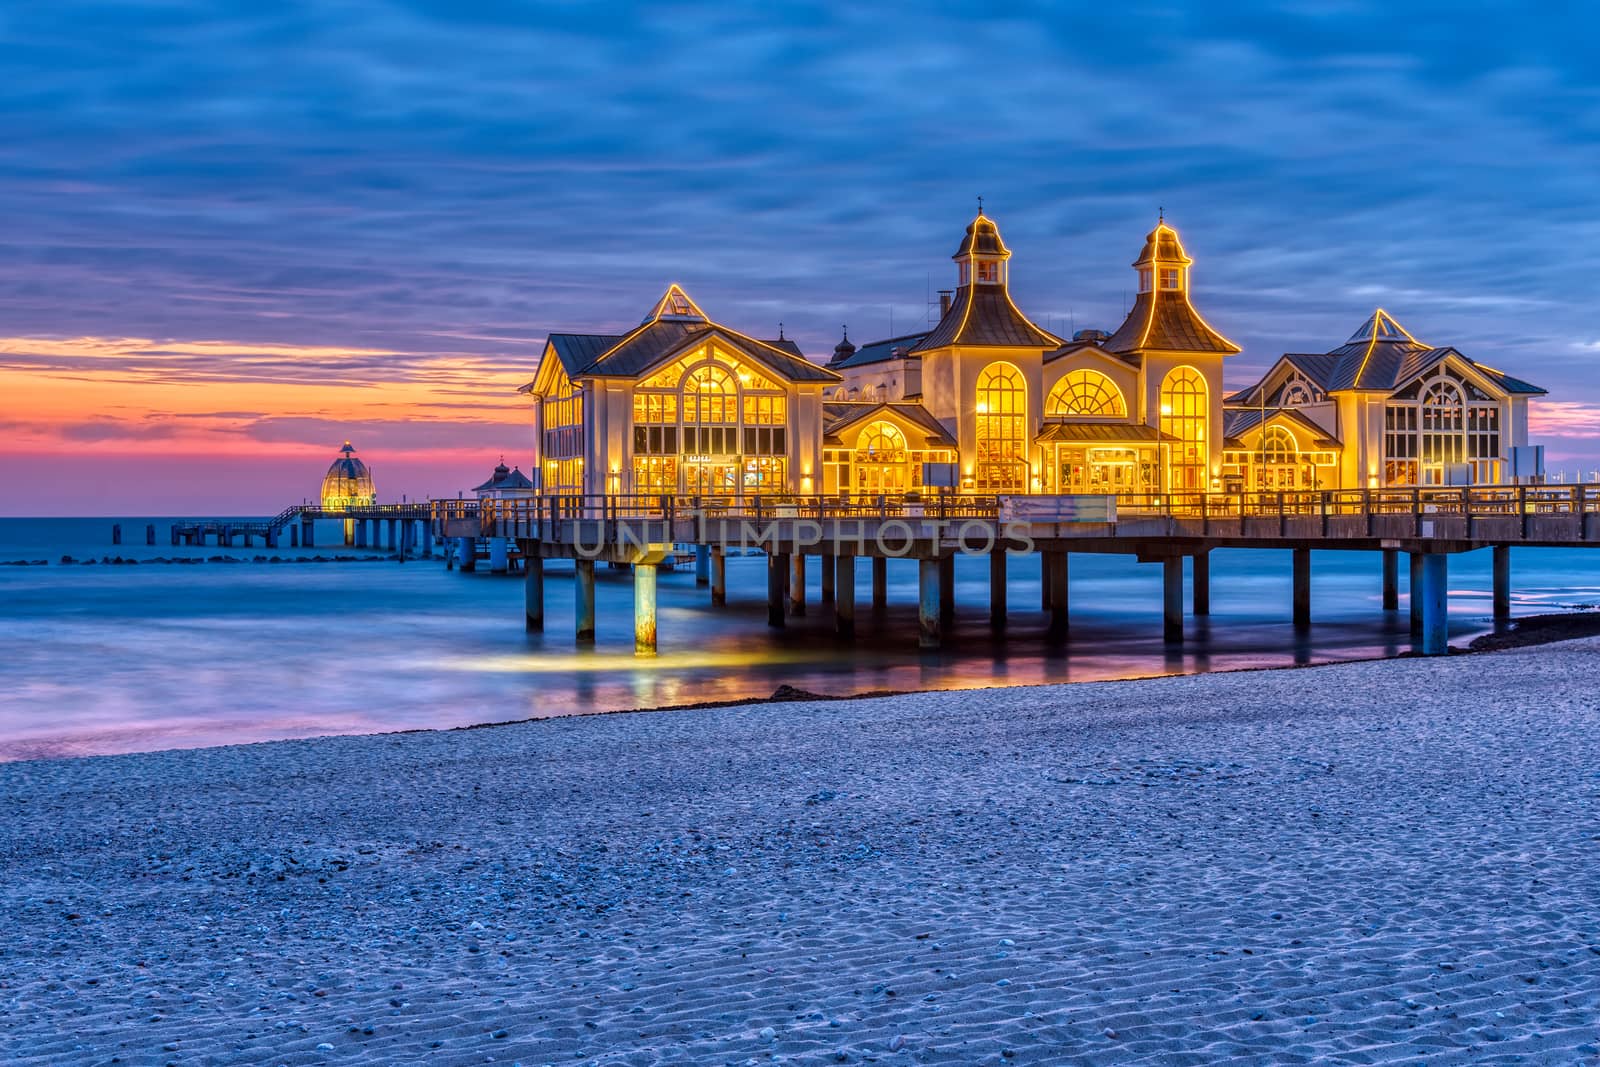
x: 983, y: 409
x: 1166, y: 409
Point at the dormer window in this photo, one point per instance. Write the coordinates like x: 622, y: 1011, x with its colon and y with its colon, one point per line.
x: 988, y: 271
x: 1144, y: 280
x: 1171, y: 278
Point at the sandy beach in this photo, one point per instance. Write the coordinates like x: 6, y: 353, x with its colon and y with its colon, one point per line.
x: 1362, y: 863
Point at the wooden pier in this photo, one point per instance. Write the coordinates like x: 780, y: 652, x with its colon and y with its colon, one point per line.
x: 1428, y: 524
x: 408, y: 528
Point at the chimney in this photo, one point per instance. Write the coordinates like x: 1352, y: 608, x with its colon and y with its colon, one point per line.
x: 944, y: 301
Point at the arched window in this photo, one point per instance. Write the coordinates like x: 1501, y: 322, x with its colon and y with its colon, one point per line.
x: 1278, y: 446
x: 1085, y: 393
x: 710, y: 424
x: 1184, y: 413
x: 1444, y: 439
x: 879, y: 463
x: 1002, y: 425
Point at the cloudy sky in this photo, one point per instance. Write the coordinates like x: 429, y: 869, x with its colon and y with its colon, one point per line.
x: 237, y: 233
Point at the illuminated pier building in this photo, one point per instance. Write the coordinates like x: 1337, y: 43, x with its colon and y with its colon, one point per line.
x: 987, y: 401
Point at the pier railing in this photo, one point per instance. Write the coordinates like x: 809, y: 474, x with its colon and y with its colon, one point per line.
x: 1482, y: 501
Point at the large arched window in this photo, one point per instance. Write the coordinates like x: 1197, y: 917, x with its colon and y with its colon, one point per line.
x: 1444, y: 439
x: 879, y: 464
x: 1184, y: 411
x: 1002, y: 425
x: 1085, y: 393
x: 562, y: 443
x: 710, y: 424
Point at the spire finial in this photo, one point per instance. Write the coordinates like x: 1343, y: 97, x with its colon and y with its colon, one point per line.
x: 980, y: 205
x: 846, y: 330
x: 1161, y: 216
x: 780, y: 331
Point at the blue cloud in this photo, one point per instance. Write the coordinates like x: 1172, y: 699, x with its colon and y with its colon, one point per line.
x: 427, y: 176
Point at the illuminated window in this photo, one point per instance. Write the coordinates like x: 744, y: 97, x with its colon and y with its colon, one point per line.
x: 1184, y: 413
x: 1438, y: 423
x: 710, y: 424
x: 561, y: 443
x: 1170, y: 277
x: 1085, y: 393
x: 988, y: 271
x: 1002, y: 425
x: 1144, y: 279
x: 879, y: 463
x: 1279, y: 465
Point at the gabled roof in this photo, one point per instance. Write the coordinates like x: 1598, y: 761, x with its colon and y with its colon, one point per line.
x: 674, y: 324
x: 841, y: 415
x: 1072, y: 348
x: 1383, y: 356
x: 1317, y: 367
x: 880, y: 351
x: 504, y: 479
x: 983, y: 314
x: 1237, y: 421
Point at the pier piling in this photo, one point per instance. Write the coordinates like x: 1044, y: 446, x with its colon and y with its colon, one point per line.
x: 777, y: 568
x: 1435, y: 604
x: 467, y: 557
x: 1302, y: 588
x: 1391, y: 579
x: 1172, y: 599
x: 1058, y: 591
x: 1414, y: 593
x: 702, y: 564
x: 644, y: 609
x: 150, y: 533
x: 827, y: 577
x: 533, y: 591
x: 499, y: 555
x: 997, y: 588
x: 797, y: 585
x: 1502, y: 582
x: 844, y: 603
x: 880, y: 583
x: 583, y: 605
x: 1200, y: 578
x: 947, y: 591
x: 719, y: 575
x: 928, y: 610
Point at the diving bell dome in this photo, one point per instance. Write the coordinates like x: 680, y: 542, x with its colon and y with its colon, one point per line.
x: 348, y: 482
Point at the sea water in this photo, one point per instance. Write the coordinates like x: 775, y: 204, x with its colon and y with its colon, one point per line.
x: 106, y: 657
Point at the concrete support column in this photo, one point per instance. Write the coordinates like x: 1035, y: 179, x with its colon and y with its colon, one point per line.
x: 797, y: 585
x: 928, y: 632
x: 827, y: 577
x: 1201, y: 579
x: 997, y: 588
x: 533, y: 590
x: 644, y: 609
x: 844, y: 602
x: 1435, y: 604
x: 1058, y: 590
x: 1391, y: 579
x: 294, y: 535
x: 947, y: 591
x: 427, y: 538
x: 361, y: 534
x: 702, y: 564
x: 880, y: 582
x: 393, y: 543
x: 719, y: 575
x: 1302, y: 589
x: 1172, y: 599
x: 583, y: 599
x: 499, y: 555
x: 777, y: 568
x: 1414, y: 593
x: 1502, y: 582
x: 1046, y: 561
x: 308, y: 533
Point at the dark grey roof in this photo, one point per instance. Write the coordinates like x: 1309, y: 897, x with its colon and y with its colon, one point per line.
x: 505, y: 479
x: 577, y: 350
x: 1236, y: 421
x: 984, y: 315
x: 839, y: 415
x: 1316, y: 366
x: 880, y: 351
x: 1382, y: 356
x: 1165, y: 321
x: 1101, y: 431
x: 983, y: 239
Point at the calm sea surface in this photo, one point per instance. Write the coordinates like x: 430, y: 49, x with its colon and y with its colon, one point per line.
x: 108, y: 658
